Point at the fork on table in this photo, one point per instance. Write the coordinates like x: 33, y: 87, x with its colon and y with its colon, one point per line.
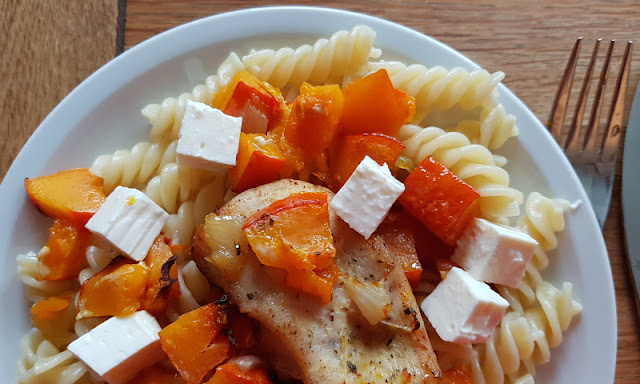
x: 592, y: 155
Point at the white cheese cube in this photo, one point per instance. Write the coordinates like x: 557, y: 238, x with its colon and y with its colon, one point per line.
x: 119, y: 348
x: 366, y: 197
x: 129, y: 221
x: 209, y: 139
x: 494, y: 253
x: 462, y: 309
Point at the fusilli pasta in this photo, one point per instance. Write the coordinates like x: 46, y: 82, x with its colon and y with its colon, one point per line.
x: 176, y: 184
x: 43, y: 363
x: 442, y: 88
x: 166, y: 118
x: 493, y: 129
x: 471, y: 162
x: 327, y: 60
x: 133, y: 167
x: 539, y: 311
x: 31, y: 271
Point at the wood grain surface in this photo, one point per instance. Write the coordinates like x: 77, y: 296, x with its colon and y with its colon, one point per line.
x: 48, y: 47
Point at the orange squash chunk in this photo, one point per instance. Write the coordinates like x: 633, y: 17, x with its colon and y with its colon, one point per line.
x: 398, y: 235
x: 230, y: 373
x: 117, y: 290
x: 440, y: 200
x: 163, y: 274
x: 307, y: 133
x: 49, y: 309
x: 347, y: 152
x: 192, y: 342
x: 318, y: 282
x: 258, y: 162
x: 455, y: 375
x: 240, y: 330
x: 371, y: 104
x: 293, y: 233
x: 73, y: 194
x: 67, y: 246
x: 156, y: 374
x: 260, y: 105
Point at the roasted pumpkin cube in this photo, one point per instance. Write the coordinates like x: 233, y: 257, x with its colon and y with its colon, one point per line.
x: 157, y: 374
x: 117, y: 290
x: 371, y: 104
x: 193, y: 343
x: 73, y: 194
x: 308, y: 131
x: 318, y: 282
x: 66, y: 250
x: 440, y: 200
x: 163, y: 274
x: 231, y: 373
x: 258, y: 162
x: 347, y: 151
x: 260, y: 105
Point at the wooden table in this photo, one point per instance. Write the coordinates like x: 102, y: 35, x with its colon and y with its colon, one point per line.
x: 48, y: 47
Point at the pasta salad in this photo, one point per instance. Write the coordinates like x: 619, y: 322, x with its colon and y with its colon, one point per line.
x: 289, y: 188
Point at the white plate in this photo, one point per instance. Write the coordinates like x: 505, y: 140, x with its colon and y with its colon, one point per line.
x: 103, y: 114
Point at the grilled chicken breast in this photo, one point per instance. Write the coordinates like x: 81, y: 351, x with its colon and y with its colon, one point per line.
x: 315, y: 342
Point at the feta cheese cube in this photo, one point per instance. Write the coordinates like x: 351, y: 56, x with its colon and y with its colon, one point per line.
x: 119, y: 348
x: 129, y: 221
x: 209, y: 139
x: 462, y: 309
x: 366, y: 197
x: 494, y: 253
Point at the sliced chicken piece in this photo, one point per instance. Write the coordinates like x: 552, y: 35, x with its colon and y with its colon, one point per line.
x: 328, y: 343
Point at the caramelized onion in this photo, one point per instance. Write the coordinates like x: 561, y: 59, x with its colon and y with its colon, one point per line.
x: 227, y: 243
x: 371, y: 298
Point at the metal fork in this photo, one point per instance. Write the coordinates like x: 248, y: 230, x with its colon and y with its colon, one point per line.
x: 593, y: 158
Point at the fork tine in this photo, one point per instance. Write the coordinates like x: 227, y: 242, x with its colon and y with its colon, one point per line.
x: 589, y: 146
x: 571, y: 146
x: 559, y: 109
x: 611, y: 140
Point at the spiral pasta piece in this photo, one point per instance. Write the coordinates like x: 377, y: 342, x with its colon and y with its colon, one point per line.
x: 133, y: 167
x: 539, y: 313
x: 31, y: 271
x: 176, y: 184
x: 543, y: 217
x: 344, y: 53
x: 98, y: 257
x: 493, y: 129
x: 42, y: 362
x: 181, y: 225
x: 441, y: 87
x: 166, y: 118
x: 471, y: 162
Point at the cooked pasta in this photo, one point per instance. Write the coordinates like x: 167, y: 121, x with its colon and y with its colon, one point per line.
x: 43, y: 363
x: 493, y: 129
x: 539, y: 311
x: 176, y: 184
x: 133, y: 167
x: 543, y: 217
x: 182, y: 225
x: 166, y: 118
x: 442, y: 88
x: 30, y: 271
x: 344, y: 53
x: 98, y: 257
x: 471, y: 162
